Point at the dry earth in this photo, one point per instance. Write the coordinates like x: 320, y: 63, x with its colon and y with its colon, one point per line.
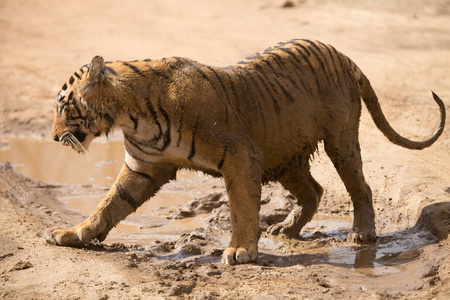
x: 402, y: 46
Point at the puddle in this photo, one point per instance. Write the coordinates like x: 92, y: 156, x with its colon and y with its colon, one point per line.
x: 322, y: 240
x: 387, y: 256
x: 48, y: 161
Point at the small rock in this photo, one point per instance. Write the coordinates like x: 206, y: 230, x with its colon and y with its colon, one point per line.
x: 287, y: 4
x: 22, y: 265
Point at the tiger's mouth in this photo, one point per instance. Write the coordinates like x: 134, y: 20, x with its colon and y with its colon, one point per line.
x: 67, y: 139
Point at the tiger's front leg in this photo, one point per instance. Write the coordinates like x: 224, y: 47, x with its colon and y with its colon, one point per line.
x: 243, y: 182
x: 130, y: 190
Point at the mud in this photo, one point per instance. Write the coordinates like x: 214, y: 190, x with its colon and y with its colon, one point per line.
x: 171, y: 247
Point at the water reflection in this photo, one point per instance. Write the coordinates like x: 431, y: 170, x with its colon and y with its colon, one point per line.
x: 50, y: 162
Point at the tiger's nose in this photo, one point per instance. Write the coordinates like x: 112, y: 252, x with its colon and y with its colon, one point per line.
x: 56, y: 138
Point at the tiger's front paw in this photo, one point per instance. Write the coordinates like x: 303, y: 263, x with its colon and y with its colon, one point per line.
x: 239, y: 255
x: 62, y: 237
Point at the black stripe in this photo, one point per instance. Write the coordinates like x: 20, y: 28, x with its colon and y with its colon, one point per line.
x: 334, y: 66
x: 166, y: 136
x: 128, y: 150
x: 64, y: 87
x: 303, y: 47
x: 321, y: 62
x: 349, y: 61
x: 110, y: 70
x: 229, y: 185
x: 70, y: 96
x: 249, y: 95
x: 283, y: 90
x: 124, y: 195
x: 212, y: 85
x: 76, y: 118
x: 257, y: 86
x: 324, y: 63
x: 220, y: 81
x: 303, y: 55
x: 250, y: 90
x: 274, y: 100
x: 76, y: 75
x: 277, y: 58
x: 204, y: 76
x: 222, y: 160
x: 64, y: 107
x: 136, y: 145
x: 60, y: 98
x: 71, y: 80
x: 234, y: 91
x: 194, y: 133
x: 108, y: 119
x: 77, y: 108
x: 155, y: 118
x: 239, y: 91
x: 180, y: 124
x: 146, y: 176
x: 158, y: 73
x: 135, y: 122
x: 282, y: 65
x: 338, y: 55
x: 134, y: 68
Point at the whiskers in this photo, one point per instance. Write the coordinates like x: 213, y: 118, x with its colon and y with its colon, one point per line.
x: 68, y: 139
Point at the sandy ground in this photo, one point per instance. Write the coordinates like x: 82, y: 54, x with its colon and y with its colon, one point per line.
x: 402, y: 46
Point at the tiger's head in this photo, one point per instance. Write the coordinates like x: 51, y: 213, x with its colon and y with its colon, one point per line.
x: 83, y: 108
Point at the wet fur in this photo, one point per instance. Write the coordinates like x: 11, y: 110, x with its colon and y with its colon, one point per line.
x: 253, y: 122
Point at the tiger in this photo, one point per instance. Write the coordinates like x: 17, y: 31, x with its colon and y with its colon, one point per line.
x: 257, y: 121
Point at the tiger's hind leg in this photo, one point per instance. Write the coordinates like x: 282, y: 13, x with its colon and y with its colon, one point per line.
x: 308, y: 194
x: 130, y: 190
x: 342, y: 146
x: 346, y: 157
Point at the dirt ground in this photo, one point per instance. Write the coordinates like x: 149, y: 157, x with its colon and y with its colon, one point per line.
x: 402, y: 46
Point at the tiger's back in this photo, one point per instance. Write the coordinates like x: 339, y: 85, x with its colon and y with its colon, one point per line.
x: 284, y: 99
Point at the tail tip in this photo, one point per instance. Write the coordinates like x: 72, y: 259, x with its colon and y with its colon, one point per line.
x: 436, y: 97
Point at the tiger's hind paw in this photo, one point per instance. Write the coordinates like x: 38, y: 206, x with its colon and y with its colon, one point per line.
x: 361, y: 238
x: 282, y: 229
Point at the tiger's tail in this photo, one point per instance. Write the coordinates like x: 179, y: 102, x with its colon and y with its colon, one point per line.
x: 372, y: 104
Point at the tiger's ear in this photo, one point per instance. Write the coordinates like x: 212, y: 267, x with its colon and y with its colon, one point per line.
x: 95, y: 77
x: 97, y: 70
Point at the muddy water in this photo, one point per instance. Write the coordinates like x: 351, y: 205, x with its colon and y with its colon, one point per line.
x: 50, y: 162
x: 322, y: 238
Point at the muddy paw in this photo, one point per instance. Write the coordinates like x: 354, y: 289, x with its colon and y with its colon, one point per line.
x: 232, y: 256
x: 361, y: 238
x: 291, y: 226
x: 62, y: 237
x: 274, y: 229
x: 282, y: 229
